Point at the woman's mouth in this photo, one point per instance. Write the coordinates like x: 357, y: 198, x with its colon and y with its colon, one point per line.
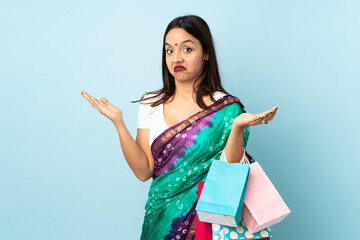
x: 179, y: 68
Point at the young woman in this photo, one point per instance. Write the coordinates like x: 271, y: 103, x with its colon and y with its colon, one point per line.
x: 182, y: 128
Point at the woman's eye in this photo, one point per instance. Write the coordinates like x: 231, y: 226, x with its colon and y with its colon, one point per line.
x: 188, y: 48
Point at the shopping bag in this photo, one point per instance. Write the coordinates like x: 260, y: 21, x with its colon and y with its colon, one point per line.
x: 221, y: 232
x: 263, y: 205
x: 209, y: 231
x: 203, y: 230
x: 222, y: 197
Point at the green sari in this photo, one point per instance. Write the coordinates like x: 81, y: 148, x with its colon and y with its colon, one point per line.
x: 183, y: 154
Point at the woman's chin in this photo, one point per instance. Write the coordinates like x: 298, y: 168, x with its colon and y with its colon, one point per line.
x: 182, y: 77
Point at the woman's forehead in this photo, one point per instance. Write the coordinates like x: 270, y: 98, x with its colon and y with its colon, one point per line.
x: 179, y: 36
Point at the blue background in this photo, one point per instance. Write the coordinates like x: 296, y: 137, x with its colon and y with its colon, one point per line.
x: 62, y: 171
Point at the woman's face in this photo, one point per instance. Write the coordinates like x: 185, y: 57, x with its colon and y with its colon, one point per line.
x: 182, y: 48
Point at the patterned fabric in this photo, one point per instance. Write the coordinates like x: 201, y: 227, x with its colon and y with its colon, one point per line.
x: 221, y: 232
x: 183, y: 155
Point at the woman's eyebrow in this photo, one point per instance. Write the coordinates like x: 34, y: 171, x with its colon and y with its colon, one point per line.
x: 188, y: 40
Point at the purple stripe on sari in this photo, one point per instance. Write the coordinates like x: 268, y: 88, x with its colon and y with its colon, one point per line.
x: 167, y: 158
x: 185, y: 226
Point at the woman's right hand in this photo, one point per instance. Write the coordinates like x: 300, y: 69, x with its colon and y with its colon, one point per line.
x: 104, y: 107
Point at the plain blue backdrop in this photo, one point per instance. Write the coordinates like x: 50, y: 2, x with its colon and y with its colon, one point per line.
x: 62, y: 172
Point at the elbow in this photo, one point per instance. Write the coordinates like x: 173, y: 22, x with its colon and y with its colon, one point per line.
x: 144, y: 174
x: 143, y: 178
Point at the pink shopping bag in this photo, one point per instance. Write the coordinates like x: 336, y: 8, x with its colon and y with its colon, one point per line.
x: 263, y: 205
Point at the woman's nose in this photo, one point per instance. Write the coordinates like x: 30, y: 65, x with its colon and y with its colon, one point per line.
x: 177, y: 56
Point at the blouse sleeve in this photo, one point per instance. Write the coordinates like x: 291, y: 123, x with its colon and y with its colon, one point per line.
x: 143, y: 119
x: 223, y: 157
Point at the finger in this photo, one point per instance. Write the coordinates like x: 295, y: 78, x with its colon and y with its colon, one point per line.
x: 267, y: 118
x: 257, y: 119
x: 99, y: 105
x: 94, y: 103
x: 104, y: 100
x: 88, y: 97
x: 85, y: 95
x: 271, y: 116
x: 271, y: 110
x: 263, y: 117
x: 269, y: 113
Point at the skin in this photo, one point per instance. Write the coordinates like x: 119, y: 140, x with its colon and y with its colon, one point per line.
x: 181, y: 49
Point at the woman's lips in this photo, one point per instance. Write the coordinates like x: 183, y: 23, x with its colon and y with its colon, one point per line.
x: 179, y: 68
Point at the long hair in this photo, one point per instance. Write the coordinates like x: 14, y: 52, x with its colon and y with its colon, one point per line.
x: 211, y: 82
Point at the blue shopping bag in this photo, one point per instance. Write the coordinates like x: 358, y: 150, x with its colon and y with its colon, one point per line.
x: 222, y: 197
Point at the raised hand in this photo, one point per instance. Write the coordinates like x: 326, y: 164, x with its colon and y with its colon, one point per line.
x: 251, y: 119
x: 104, y: 107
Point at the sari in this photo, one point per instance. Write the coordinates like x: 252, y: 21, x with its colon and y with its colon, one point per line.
x: 183, y: 154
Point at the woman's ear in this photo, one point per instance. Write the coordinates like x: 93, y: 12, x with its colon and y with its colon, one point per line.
x: 206, y: 56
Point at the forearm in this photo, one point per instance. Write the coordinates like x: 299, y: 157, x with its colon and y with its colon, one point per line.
x: 234, y: 149
x: 134, y: 155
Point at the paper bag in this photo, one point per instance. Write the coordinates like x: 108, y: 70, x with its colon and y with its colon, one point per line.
x: 263, y: 205
x: 222, y: 197
x: 203, y: 230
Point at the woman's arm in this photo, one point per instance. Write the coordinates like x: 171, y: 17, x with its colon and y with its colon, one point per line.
x: 137, y: 154
x: 234, y: 146
x: 140, y: 161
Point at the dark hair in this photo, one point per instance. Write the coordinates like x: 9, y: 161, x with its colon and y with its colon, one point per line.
x: 211, y: 82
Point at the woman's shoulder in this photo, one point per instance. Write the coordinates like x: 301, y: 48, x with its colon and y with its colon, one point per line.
x: 240, y: 105
x: 145, y: 112
x: 151, y: 96
x: 218, y: 95
x: 145, y: 104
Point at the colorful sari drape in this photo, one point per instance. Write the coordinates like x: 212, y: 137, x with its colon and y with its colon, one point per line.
x: 183, y: 155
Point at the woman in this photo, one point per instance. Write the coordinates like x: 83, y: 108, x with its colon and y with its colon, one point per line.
x: 199, y: 129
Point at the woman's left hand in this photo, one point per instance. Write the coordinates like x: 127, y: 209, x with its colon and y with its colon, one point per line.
x: 251, y: 119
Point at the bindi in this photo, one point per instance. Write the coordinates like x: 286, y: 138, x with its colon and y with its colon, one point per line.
x: 175, y: 44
